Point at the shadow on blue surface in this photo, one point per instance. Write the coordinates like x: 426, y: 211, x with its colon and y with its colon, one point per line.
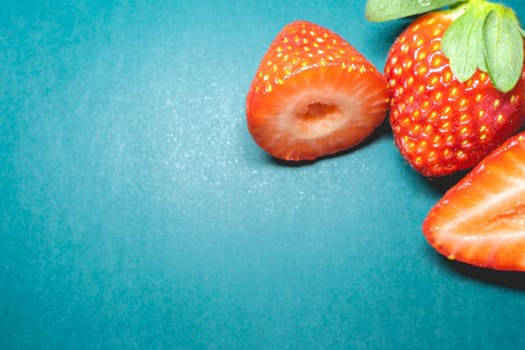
x: 443, y: 184
x: 507, y: 279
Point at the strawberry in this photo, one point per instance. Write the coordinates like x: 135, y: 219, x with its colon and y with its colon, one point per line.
x: 481, y: 220
x: 313, y: 95
x: 457, y: 86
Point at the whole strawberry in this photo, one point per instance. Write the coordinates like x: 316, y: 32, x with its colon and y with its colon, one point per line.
x: 457, y: 86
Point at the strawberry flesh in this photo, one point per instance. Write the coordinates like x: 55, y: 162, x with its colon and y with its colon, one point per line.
x: 313, y: 95
x: 481, y: 220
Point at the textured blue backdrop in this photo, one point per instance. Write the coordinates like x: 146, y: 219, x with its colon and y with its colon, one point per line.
x: 136, y: 212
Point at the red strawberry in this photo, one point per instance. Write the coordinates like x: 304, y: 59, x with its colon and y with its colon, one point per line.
x: 447, y: 112
x: 313, y: 95
x: 481, y: 220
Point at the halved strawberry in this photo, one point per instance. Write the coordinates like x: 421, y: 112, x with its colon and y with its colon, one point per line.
x: 313, y: 95
x: 481, y: 220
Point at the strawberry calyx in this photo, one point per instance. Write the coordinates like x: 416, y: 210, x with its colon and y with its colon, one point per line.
x: 487, y: 37
x: 483, y: 35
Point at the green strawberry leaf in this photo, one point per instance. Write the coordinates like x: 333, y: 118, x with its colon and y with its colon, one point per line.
x: 463, y: 44
x: 504, y: 48
x: 385, y: 10
x: 487, y: 36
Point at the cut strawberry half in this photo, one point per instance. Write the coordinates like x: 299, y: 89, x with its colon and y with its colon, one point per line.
x: 481, y: 220
x: 313, y: 95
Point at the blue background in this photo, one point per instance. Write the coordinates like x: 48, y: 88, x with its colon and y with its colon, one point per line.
x: 136, y: 212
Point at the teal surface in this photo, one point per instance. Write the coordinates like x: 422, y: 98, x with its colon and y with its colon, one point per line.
x: 136, y: 212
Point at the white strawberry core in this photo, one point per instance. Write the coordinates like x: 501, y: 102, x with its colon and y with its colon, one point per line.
x: 318, y: 119
x: 319, y: 113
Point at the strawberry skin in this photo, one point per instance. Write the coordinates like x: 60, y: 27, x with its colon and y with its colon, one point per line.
x: 440, y: 124
x: 313, y: 95
x: 481, y: 220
